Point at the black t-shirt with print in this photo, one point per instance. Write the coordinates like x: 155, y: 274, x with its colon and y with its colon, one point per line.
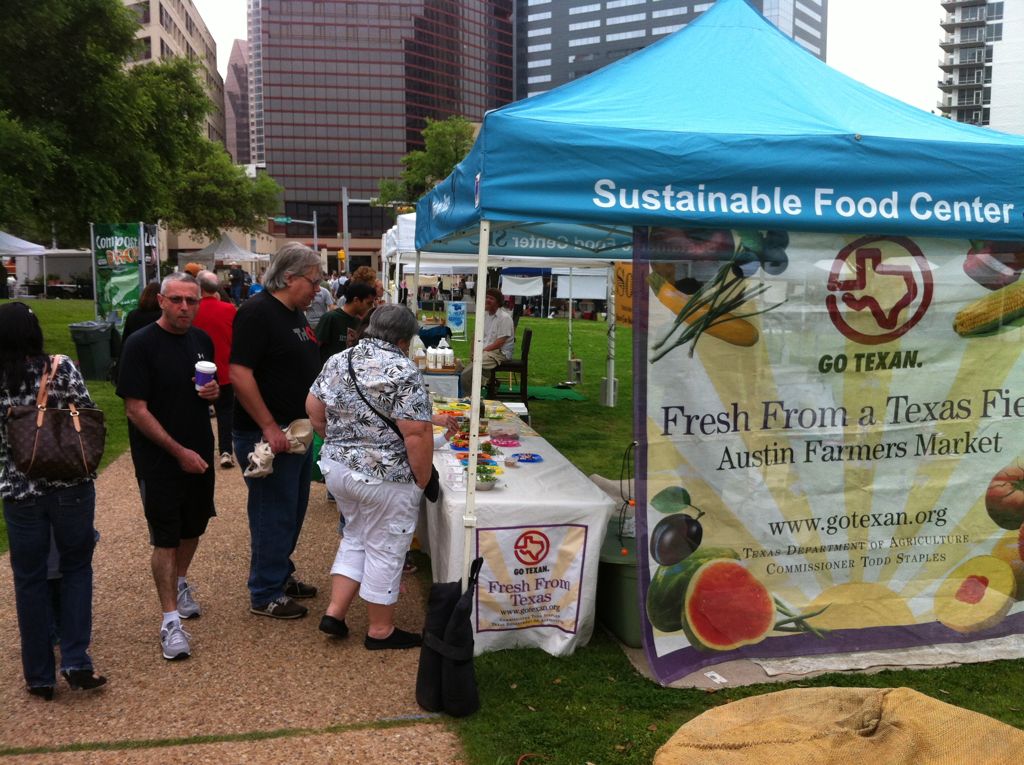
x: 157, y: 366
x: 278, y: 345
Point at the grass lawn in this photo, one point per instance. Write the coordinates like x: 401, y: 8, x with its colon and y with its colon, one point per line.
x: 592, y: 706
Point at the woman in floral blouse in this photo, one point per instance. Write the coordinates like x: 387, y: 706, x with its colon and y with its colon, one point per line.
x: 39, y: 510
x: 371, y: 407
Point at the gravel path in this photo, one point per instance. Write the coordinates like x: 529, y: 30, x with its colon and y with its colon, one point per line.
x: 247, y: 674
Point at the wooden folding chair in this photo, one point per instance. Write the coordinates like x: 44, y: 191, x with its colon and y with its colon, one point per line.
x: 518, y: 367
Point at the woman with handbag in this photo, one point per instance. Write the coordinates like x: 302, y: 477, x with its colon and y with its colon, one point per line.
x: 372, y: 409
x: 37, y: 507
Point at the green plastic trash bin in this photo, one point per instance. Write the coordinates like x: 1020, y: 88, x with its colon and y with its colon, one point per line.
x: 92, y: 342
x: 617, y: 599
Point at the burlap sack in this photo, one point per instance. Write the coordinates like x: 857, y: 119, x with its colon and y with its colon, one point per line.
x: 815, y: 726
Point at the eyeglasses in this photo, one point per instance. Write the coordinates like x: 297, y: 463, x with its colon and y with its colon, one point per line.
x: 314, y: 282
x: 179, y: 299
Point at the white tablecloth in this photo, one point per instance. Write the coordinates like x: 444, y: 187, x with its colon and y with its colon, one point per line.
x: 540, y: 532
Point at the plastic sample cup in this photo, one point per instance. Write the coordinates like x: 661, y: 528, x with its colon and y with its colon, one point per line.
x: 206, y: 371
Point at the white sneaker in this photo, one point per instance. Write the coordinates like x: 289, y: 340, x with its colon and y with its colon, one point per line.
x: 226, y: 460
x: 187, y: 606
x: 174, y: 641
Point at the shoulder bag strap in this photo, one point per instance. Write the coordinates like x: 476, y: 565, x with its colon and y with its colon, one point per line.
x: 44, y: 381
x: 355, y: 384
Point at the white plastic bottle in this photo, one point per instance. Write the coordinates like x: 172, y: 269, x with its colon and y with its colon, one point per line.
x: 416, y: 346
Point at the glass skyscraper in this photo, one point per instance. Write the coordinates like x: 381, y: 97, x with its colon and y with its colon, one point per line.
x: 561, y: 40
x: 340, y: 91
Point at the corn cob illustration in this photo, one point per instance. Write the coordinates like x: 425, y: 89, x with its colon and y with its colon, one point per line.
x: 991, y: 311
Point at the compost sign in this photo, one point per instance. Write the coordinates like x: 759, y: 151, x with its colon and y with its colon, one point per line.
x: 831, y: 433
x: 117, y: 249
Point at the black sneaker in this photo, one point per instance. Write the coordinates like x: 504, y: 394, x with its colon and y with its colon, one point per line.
x: 293, y: 588
x: 397, y: 639
x: 282, y: 608
x: 333, y: 627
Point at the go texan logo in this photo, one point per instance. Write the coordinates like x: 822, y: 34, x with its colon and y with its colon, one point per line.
x: 532, y: 547
x: 880, y: 288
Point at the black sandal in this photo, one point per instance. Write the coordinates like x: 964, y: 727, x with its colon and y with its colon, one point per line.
x: 83, y: 679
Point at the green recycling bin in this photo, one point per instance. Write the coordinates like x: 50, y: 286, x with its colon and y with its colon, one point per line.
x: 617, y: 603
x: 92, y: 341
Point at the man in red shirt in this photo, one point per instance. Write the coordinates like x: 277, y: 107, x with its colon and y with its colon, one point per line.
x: 216, y: 317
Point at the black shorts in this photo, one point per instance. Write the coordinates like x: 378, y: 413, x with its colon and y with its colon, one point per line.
x: 178, y: 507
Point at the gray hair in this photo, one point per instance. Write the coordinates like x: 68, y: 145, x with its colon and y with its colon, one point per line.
x: 293, y: 259
x: 392, y: 323
x: 208, y: 282
x: 177, y: 276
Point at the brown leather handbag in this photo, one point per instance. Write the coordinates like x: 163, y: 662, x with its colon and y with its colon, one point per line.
x: 55, y: 444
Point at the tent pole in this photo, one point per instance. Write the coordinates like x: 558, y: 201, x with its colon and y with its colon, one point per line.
x: 609, y: 380
x: 384, y: 269
x: 551, y: 282
x: 469, y: 519
x: 416, y: 299
x: 53, y: 246
x: 570, y: 314
x: 92, y: 257
x: 142, y: 259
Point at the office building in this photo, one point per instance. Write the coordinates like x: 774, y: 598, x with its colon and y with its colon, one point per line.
x: 983, y: 63
x: 562, y: 40
x: 169, y: 28
x: 236, y: 104
x: 339, y: 92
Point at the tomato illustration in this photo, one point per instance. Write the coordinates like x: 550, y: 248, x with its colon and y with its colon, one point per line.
x: 1004, y: 498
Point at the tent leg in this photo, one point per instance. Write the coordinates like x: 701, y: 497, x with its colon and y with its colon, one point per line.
x: 469, y: 520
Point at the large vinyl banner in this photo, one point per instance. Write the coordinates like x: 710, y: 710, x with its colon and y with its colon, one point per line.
x: 117, y: 252
x: 831, y: 438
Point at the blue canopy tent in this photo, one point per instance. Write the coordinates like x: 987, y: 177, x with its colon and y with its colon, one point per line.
x: 762, y: 136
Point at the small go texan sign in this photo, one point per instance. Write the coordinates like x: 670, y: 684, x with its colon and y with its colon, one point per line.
x: 531, y: 577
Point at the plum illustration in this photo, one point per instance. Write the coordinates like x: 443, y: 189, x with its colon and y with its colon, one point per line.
x: 675, y: 538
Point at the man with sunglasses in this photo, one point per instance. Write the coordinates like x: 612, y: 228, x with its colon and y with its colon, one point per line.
x: 172, y: 446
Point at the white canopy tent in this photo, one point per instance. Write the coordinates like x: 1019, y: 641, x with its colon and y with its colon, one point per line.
x: 13, y: 247
x: 226, y: 250
x: 523, y: 246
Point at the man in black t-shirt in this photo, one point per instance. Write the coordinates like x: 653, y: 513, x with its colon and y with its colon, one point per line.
x: 274, y: 360
x: 172, y: 446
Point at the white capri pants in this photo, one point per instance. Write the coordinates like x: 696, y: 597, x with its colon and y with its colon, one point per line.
x: 380, y: 519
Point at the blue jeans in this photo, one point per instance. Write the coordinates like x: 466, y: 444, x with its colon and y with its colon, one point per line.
x: 277, y: 508
x: 69, y: 513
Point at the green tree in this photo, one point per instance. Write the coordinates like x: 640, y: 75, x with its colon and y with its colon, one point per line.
x: 95, y: 141
x: 446, y: 142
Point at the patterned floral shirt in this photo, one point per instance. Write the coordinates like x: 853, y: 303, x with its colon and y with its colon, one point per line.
x: 356, y: 436
x: 66, y: 385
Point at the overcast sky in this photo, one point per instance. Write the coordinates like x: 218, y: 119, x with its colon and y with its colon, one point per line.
x: 891, y: 45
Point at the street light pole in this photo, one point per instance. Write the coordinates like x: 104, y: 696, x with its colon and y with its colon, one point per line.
x: 346, y: 237
x: 285, y: 220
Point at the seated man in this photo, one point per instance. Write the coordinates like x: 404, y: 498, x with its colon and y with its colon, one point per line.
x: 499, y: 338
